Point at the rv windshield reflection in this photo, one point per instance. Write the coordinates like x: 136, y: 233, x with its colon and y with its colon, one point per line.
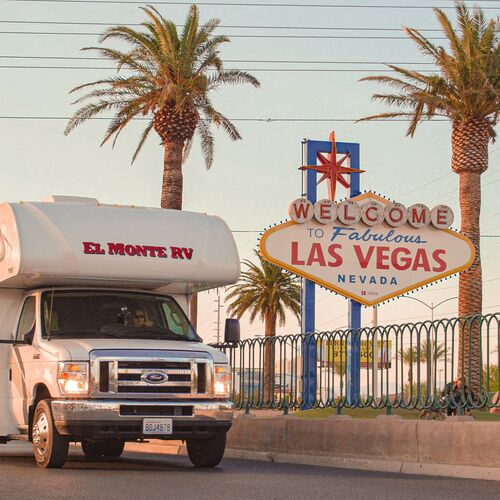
x: 114, y: 314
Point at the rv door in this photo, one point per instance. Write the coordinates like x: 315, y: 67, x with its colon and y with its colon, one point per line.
x: 21, y: 360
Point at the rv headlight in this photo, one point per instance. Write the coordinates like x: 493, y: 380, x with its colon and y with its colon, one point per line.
x: 73, y: 378
x: 222, y: 380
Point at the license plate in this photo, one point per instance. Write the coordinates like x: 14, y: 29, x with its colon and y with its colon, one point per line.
x: 157, y: 426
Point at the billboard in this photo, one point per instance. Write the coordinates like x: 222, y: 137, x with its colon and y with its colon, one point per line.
x: 368, y: 248
x: 335, y: 351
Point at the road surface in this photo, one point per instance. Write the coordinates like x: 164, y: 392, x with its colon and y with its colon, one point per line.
x: 152, y: 476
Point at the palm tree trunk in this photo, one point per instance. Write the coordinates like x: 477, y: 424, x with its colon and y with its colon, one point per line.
x: 171, y: 197
x: 270, y: 331
x: 470, y: 160
x: 171, y: 190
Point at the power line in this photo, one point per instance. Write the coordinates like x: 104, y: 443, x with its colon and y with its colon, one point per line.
x: 456, y: 193
x: 425, y: 184
x: 439, y: 314
x: 265, y: 120
x: 250, y: 4
x: 263, y: 61
x: 315, y: 37
x: 226, y: 26
x: 256, y: 70
x: 436, y: 178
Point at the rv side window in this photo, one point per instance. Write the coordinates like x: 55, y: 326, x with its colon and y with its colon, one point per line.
x: 27, y: 319
x: 175, y: 322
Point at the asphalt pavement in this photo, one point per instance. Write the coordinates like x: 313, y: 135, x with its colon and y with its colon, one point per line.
x: 152, y: 476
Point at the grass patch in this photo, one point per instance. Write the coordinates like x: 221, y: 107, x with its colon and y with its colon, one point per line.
x: 371, y: 413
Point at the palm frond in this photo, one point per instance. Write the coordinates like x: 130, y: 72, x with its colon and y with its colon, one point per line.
x: 207, y: 142
x: 221, y: 121
x: 264, y: 291
x: 85, y: 113
x: 170, y: 72
x: 466, y: 85
x: 144, y: 136
x: 233, y: 77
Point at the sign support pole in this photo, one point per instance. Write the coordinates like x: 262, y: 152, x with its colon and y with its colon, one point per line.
x: 309, y: 298
x: 353, y: 342
x: 309, y: 353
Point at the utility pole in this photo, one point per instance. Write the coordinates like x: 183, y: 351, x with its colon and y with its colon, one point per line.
x: 217, y: 323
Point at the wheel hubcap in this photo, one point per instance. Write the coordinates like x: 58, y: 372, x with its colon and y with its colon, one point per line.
x: 41, y: 434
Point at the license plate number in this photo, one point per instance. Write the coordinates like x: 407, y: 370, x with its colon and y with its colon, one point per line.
x: 157, y: 426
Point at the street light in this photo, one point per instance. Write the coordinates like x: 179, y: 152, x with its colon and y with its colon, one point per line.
x: 432, y: 306
x: 430, y: 372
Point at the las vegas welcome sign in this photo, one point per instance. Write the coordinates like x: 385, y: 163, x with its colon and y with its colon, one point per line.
x: 368, y: 248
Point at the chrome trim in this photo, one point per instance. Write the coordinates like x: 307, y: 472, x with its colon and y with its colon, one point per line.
x: 167, y: 383
x: 140, y: 371
x: 67, y: 411
x: 135, y: 355
x: 194, y: 378
x: 113, y: 376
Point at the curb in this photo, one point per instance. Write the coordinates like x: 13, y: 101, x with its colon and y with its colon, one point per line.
x: 398, y: 467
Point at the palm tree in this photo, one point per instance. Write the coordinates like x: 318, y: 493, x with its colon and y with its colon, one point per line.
x: 340, y: 369
x: 491, y: 379
x: 466, y: 91
x: 265, y: 291
x: 409, y: 357
x: 170, y: 80
x: 430, y: 353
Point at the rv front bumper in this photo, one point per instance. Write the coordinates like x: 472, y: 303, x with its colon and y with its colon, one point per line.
x: 123, y: 419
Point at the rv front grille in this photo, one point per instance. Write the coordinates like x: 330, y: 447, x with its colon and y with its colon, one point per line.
x: 119, y: 372
x: 201, y: 385
x: 104, y: 376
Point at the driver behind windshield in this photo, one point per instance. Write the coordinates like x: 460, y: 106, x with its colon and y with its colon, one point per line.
x: 95, y: 313
x: 139, y: 319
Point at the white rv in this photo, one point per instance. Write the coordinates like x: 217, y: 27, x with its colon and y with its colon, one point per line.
x: 95, y: 343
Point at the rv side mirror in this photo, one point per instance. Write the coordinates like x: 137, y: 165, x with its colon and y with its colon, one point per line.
x: 232, y: 331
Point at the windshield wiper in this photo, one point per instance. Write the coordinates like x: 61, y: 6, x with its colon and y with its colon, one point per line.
x: 72, y: 333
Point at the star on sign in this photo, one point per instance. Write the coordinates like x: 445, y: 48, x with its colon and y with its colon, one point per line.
x: 333, y: 171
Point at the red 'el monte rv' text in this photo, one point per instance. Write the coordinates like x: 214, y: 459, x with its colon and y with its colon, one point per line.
x: 92, y: 248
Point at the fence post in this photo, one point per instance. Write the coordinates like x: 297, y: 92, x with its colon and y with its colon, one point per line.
x: 353, y: 354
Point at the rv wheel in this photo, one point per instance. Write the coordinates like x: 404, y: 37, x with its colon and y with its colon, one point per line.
x: 108, y: 449
x: 207, y: 452
x: 113, y: 449
x: 91, y: 449
x: 50, y: 448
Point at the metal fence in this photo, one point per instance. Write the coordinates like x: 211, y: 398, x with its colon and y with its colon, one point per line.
x: 445, y: 365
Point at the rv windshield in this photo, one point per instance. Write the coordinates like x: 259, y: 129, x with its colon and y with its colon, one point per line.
x: 108, y: 314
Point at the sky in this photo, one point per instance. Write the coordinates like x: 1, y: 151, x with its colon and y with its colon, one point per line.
x: 252, y: 181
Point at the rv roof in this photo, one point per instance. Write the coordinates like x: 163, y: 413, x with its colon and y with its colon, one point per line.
x: 77, y: 241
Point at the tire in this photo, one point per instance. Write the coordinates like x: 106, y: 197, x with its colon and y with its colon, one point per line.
x: 108, y: 449
x: 92, y: 449
x: 113, y: 449
x: 49, y: 447
x: 207, y: 452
